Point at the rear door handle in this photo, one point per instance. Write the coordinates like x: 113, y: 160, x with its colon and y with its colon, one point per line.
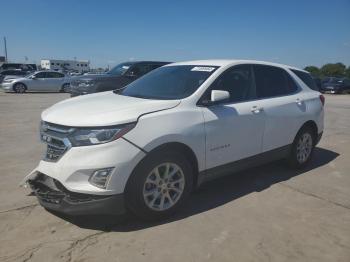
x: 257, y: 110
x: 299, y: 102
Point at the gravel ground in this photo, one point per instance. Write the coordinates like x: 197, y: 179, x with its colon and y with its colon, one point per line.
x: 268, y: 213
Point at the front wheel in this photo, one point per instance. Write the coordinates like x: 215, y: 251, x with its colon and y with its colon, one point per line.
x: 159, y: 186
x: 302, y: 148
x: 19, y: 88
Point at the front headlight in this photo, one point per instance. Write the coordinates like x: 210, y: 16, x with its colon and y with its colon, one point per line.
x: 95, y: 136
x: 8, y: 80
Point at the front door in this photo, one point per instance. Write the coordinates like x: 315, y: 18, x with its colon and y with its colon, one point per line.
x: 234, y: 129
x: 38, y: 82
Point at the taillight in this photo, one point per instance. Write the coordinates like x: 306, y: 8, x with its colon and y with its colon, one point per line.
x: 322, y: 98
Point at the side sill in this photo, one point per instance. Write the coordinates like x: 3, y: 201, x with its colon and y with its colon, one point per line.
x: 239, y: 165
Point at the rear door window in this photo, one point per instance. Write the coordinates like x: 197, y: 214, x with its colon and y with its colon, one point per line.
x: 273, y: 81
x: 54, y: 75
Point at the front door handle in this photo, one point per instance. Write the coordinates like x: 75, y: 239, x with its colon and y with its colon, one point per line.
x: 257, y: 110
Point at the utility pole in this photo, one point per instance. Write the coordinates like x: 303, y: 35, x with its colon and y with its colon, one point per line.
x: 5, y: 49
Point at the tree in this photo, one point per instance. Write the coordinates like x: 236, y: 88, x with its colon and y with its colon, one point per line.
x: 313, y: 70
x: 337, y: 69
x: 347, y: 72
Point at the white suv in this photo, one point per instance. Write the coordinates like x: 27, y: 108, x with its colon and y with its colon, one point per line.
x: 145, y: 149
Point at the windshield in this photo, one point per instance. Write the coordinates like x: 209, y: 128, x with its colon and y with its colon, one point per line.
x: 30, y: 74
x: 169, y: 82
x: 119, y: 69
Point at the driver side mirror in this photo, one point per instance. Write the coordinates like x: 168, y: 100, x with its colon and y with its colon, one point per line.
x: 216, y: 97
x: 219, y: 96
x: 33, y: 77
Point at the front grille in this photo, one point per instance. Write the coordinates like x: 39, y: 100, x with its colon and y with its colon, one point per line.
x: 56, y: 139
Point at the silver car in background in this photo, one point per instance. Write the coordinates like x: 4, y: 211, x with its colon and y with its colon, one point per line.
x: 41, y: 81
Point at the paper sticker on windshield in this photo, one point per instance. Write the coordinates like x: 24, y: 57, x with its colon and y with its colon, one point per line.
x: 125, y: 67
x: 203, y: 68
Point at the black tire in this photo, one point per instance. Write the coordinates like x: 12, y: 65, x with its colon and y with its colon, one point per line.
x: 294, y: 160
x: 65, y: 88
x: 134, y: 193
x: 19, y: 88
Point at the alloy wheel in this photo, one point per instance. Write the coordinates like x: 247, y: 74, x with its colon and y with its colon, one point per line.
x: 20, y: 88
x: 164, y: 186
x: 304, y: 148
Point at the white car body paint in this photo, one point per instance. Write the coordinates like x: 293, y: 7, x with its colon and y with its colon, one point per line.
x: 216, y: 136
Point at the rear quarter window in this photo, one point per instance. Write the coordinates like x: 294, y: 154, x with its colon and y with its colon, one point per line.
x: 306, y: 78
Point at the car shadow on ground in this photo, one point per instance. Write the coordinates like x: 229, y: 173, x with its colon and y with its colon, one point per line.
x: 210, y: 195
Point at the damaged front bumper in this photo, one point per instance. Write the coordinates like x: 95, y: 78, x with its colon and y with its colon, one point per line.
x: 52, y: 195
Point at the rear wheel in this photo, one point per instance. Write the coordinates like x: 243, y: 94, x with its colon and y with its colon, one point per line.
x: 65, y: 88
x: 159, y: 186
x: 302, y: 148
x: 19, y: 88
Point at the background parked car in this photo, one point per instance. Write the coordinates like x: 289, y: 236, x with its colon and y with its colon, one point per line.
x: 10, y: 73
x: 19, y: 66
x: 117, y: 78
x: 48, y: 81
x: 336, y: 85
x: 318, y: 82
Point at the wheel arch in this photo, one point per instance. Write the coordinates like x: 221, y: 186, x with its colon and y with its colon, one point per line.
x: 15, y: 84
x: 312, y: 125
x: 63, y: 85
x: 177, y: 147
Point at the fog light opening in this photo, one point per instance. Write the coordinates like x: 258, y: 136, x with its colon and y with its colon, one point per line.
x: 100, y: 178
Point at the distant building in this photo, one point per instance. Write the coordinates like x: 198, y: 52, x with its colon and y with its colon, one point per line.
x: 65, y: 65
x: 2, y: 59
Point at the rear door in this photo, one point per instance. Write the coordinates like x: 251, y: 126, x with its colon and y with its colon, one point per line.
x: 282, y: 104
x: 54, y: 81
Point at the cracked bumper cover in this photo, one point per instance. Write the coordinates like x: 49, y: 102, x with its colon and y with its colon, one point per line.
x: 52, y: 195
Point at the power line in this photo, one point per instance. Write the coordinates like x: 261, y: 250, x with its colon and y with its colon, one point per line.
x: 5, y: 49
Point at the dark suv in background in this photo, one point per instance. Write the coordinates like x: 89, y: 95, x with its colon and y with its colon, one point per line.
x: 117, y: 78
x: 335, y: 85
x: 12, y: 72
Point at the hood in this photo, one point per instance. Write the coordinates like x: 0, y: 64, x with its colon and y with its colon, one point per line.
x: 103, y: 109
x: 92, y: 77
x: 13, y: 77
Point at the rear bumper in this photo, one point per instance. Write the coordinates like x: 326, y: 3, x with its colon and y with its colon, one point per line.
x: 52, y: 195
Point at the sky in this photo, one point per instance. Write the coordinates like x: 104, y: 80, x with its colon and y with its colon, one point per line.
x: 298, y: 33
